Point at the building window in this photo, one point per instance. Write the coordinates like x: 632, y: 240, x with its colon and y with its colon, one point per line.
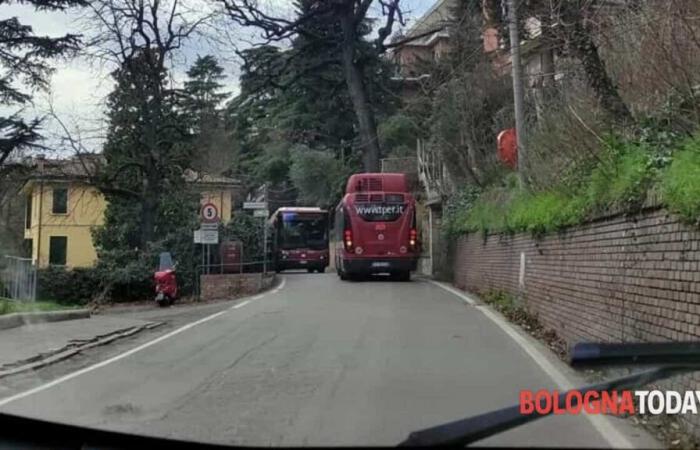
x: 28, y: 213
x: 57, y: 250
x: 60, y: 201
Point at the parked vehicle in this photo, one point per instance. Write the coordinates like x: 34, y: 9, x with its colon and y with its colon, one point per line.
x: 375, y: 226
x: 165, y: 281
x: 300, y: 239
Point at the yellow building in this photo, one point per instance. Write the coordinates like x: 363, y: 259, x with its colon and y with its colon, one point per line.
x: 62, y: 208
x: 221, y: 191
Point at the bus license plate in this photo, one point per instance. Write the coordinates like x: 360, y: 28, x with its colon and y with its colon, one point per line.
x: 302, y: 262
x: 380, y: 264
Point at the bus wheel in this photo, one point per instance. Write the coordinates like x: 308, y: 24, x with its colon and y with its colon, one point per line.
x: 404, y: 275
x: 357, y: 276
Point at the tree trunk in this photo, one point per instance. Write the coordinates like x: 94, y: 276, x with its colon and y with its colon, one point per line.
x: 586, y: 50
x: 545, y: 90
x: 149, y: 210
x: 369, y: 140
x: 152, y: 114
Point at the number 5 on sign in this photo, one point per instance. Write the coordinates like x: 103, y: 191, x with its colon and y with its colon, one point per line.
x: 210, y: 213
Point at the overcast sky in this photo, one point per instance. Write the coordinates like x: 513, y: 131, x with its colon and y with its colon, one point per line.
x: 79, y: 87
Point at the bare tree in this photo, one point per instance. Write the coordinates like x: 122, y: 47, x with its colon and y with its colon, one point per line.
x: 352, y: 17
x: 141, y: 37
x: 567, y: 26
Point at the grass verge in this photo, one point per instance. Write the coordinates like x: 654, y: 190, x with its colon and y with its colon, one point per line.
x: 8, y: 306
x: 681, y: 182
x: 620, y: 181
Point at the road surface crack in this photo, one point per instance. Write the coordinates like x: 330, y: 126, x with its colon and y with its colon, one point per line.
x: 249, y: 351
x: 187, y: 398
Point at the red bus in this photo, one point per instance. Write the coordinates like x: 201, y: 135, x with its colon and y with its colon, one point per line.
x: 375, y: 226
x: 299, y: 239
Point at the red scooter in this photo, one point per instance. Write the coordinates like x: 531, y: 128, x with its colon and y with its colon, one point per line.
x: 166, y: 281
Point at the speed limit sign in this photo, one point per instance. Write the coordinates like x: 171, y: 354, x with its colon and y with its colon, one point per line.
x: 210, y: 213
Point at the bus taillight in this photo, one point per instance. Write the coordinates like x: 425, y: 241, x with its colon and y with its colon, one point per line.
x: 347, y: 238
x: 413, y: 238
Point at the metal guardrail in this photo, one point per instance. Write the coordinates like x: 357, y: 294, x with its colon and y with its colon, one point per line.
x: 19, y: 278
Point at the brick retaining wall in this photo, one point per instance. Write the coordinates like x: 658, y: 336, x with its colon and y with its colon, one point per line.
x: 618, y: 279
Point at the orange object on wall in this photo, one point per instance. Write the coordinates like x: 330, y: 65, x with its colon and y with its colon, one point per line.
x: 508, y: 147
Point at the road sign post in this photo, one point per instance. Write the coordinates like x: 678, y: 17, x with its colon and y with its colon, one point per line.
x: 210, y: 213
x: 264, y: 246
x: 260, y: 209
x: 208, y: 233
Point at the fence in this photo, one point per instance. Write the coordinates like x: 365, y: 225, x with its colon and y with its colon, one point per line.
x: 18, y: 278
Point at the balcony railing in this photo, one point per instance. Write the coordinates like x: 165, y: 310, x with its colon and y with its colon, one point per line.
x: 432, y: 173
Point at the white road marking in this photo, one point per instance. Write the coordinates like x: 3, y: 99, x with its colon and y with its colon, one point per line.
x: 242, y: 304
x: 602, y: 424
x: 85, y: 370
x: 278, y: 288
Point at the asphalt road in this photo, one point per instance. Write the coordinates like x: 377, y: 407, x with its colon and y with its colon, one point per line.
x: 318, y: 362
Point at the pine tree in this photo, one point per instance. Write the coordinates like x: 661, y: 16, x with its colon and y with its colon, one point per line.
x: 347, y: 44
x: 150, y: 207
x: 202, y: 91
x: 23, y: 58
x: 212, y: 144
x: 299, y: 97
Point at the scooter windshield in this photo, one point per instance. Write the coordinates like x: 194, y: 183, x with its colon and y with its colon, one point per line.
x: 166, y: 261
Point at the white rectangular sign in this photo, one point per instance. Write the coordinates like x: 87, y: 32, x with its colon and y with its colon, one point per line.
x: 206, y: 236
x: 210, y: 237
x: 209, y: 226
x: 255, y: 205
x: 260, y: 213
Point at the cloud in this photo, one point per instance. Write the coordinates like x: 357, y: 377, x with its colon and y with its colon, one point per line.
x: 79, y: 90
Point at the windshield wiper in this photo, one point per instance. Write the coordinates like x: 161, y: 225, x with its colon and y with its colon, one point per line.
x: 670, y: 359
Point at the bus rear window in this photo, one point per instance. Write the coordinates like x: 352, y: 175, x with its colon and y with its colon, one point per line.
x: 394, y: 198
x: 380, y: 212
x: 304, y: 232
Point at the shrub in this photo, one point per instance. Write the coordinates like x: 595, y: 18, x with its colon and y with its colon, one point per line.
x: 486, y: 216
x: 398, y: 134
x: 249, y: 231
x: 127, y: 275
x: 620, y: 180
x: 458, y: 208
x: 68, y: 287
x: 681, y: 182
x: 317, y: 175
x: 544, y: 212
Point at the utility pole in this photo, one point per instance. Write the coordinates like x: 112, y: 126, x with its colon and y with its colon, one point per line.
x: 264, y: 224
x: 518, y: 92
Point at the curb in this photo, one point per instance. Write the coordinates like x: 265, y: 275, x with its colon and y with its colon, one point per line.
x: 18, y: 319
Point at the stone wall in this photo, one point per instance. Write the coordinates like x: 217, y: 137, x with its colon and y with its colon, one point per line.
x: 227, y: 286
